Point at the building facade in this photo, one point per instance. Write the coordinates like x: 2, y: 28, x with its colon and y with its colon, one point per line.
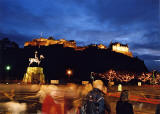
x: 120, y: 48
x: 47, y: 42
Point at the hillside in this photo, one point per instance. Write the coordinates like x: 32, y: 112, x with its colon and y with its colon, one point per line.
x: 58, y: 59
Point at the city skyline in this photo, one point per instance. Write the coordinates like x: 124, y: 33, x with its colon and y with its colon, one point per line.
x: 135, y: 22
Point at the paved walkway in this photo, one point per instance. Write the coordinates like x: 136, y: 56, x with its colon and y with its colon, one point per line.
x: 144, y: 99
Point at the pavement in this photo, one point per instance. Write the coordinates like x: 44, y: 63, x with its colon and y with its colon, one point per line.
x: 144, y: 98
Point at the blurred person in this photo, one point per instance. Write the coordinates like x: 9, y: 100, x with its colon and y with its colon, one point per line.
x: 96, y: 101
x: 70, y: 107
x: 13, y: 107
x: 71, y: 90
x: 45, y: 90
x: 50, y: 104
x: 123, y: 106
x: 72, y: 97
x: 48, y: 95
x: 50, y: 107
x: 86, y: 88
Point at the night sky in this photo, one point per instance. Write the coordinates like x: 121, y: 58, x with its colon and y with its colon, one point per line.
x: 135, y: 22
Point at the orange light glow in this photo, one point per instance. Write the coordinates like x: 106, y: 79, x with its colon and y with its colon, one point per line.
x: 121, y: 49
x: 69, y: 72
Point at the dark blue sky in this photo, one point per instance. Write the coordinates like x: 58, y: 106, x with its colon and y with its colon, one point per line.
x: 135, y: 22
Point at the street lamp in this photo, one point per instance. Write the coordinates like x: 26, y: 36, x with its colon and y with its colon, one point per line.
x: 92, y: 76
x: 69, y: 73
x: 8, y: 67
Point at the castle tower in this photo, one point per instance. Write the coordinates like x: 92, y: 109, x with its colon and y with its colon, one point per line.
x: 120, y: 48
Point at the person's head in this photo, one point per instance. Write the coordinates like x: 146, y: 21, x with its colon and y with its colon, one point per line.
x: 98, y: 84
x: 124, y: 95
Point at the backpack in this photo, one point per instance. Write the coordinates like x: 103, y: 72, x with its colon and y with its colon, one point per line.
x: 93, y: 103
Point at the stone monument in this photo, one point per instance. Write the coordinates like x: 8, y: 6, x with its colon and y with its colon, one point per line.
x: 34, y: 75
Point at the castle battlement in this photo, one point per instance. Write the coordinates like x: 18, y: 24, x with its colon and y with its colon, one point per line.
x: 117, y: 47
x: 47, y: 42
x: 120, y: 48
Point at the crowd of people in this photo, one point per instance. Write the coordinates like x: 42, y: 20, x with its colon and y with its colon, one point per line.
x: 90, y: 98
x: 87, y: 99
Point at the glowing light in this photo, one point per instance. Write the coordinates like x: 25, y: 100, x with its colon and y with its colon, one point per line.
x: 101, y: 46
x: 119, y: 87
x: 8, y: 68
x: 69, y: 72
x: 121, y: 49
x: 47, y: 42
x: 85, y: 82
x: 139, y: 83
x: 112, y: 75
x: 54, y: 81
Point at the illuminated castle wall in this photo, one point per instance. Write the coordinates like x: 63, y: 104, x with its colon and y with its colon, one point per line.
x: 47, y: 42
x: 117, y: 47
x: 120, y: 48
x: 101, y: 46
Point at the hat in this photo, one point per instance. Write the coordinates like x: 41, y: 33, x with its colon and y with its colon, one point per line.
x: 104, y: 81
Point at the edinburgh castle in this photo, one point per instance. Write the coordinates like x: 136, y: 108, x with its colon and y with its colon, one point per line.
x: 117, y: 47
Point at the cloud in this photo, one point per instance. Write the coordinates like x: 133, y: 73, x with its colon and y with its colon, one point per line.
x: 17, y: 37
x: 97, y: 21
x: 15, y: 16
x: 150, y: 62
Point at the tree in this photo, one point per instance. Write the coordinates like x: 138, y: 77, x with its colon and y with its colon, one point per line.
x: 6, y: 43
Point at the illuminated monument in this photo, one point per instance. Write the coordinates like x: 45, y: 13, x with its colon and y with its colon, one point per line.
x: 34, y: 75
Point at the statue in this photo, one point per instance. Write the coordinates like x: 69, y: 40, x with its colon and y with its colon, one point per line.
x: 34, y: 75
x: 36, y: 59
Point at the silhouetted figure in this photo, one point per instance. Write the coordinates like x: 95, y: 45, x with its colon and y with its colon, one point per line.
x: 123, y: 106
x: 158, y: 109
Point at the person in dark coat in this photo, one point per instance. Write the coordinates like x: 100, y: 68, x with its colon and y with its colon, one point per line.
x: 158, y: 109
x: 123, y: 106
x: 96, y: 100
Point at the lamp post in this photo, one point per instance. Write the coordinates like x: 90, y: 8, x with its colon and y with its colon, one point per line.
x: 92, y: 76
x: 69, y: 73
x: 7, y: 68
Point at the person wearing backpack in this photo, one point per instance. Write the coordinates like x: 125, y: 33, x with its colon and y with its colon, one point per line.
x: 96, y: 101
x: 123, y: 106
